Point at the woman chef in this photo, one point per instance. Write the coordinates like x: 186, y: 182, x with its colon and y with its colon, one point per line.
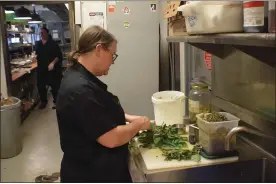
x: 93, y: 134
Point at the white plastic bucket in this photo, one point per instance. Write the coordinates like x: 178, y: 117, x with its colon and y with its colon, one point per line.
x: 168, y: 107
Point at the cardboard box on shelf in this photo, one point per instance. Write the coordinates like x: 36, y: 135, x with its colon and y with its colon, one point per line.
x: 176, y: 22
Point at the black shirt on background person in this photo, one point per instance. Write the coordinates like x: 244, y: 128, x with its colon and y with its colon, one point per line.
x: 92, y: 125
x: 49, y: 70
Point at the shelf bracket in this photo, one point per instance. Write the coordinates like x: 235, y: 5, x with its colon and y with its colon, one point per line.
x: 218, y: 50
x: 264, y: 54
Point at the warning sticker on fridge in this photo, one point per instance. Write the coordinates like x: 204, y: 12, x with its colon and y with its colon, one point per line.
x: 112, y: 3
x: 126, y: 24
x: 126, y: 11
x: 153, y: 7
x: 111, y: 8
x: 208, y: 60
x: 97, y: 18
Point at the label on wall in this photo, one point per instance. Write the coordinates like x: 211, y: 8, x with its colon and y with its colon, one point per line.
x: 208, y: 60
x: 112, y: 3
x: 126, y: 11
x: 153, y: 7
x: 126, y: 24
x: 97, y: 18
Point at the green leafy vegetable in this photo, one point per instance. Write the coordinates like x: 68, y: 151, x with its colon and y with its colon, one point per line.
x: 214, y: 117
x: 170, y: 142
x: 182, y: 154
x: 162, y: 137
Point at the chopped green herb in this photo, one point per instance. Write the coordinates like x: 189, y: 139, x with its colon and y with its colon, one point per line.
x: 213, y: 117
x: 170, y: 142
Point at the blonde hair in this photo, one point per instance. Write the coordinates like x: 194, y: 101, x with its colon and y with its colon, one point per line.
x: 89, y: 40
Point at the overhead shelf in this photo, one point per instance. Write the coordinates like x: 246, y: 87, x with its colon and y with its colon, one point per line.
x: 18, y: 32
x: 244, y: 39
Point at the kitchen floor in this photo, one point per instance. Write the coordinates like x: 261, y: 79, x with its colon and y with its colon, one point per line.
x: 41, y: 154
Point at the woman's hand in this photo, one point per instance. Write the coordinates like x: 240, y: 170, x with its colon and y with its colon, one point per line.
x: 144, y: 121
x: 51, y: 66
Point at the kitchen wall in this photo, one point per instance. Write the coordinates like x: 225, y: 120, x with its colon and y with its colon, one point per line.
x: 4, y: 89
x: 243, y: 80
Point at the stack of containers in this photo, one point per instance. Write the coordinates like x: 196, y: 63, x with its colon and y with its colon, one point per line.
x: 212, y: 134
x: 204, y: 17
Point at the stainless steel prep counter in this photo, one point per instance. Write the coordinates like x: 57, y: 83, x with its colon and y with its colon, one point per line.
x: 253, y: 166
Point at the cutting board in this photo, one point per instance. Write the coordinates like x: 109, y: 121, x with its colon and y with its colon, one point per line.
x: 155, y: 161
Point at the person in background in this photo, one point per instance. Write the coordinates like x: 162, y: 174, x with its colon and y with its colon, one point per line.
x: 49, y: 70
x: 94, y: 135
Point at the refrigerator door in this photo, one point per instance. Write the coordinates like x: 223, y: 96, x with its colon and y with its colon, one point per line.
x: 134, y: 77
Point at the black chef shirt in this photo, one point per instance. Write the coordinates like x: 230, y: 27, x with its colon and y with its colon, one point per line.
x: 46, y: 53
x: 85, y: 111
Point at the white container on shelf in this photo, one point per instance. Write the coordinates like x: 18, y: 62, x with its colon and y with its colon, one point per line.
x: 213, y: 16
x: 212, y: 134
x: 168, y: 107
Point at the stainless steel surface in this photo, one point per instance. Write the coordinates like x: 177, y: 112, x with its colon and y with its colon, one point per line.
x: 235, y: 130
x: 248, y: 119
x: 72, y: 24
x: 187, y: 74
x: 164, y: 68
x: 245, y: 81
x: 245, y: 171
x: 11, y: 142
x: 5, y: 47
x: 172, y: 65
x: 199, y: 69
x: 194, y: 131
x: 251, y: 39
x: 253, y: 166
x: 138, y: 55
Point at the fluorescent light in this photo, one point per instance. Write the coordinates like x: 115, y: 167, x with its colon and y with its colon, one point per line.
x: 34, y: 22
x: 9, y: 11
x: 22, y: 13
x: 22, y: 18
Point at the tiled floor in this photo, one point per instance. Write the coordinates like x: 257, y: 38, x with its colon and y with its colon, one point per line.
x: 41, y: 154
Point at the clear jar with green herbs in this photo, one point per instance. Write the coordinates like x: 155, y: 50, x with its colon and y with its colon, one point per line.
x: 199, y: 100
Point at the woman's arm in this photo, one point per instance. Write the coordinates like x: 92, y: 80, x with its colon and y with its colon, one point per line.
x: 103, y: 129
x: 124, y: 133
x: 130, y: 118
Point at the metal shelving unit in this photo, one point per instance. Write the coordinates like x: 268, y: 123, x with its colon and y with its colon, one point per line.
x: 258, y: 45
x: 243, y: 39
x: 261, y: 46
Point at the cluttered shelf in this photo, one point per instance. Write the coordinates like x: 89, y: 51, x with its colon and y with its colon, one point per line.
x: 18, y: 32
x: 23, y: 71
x: 245, y: 39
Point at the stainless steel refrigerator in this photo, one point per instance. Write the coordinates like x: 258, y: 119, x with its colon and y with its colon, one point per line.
x: 135, y: 75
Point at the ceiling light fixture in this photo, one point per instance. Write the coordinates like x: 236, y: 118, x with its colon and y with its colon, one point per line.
x: 22, y: 13
x: 9, y: 10
x: 35, y: 18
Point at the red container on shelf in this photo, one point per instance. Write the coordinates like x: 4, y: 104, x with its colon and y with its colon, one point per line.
x: 271, y: 17
x: 255, y: 16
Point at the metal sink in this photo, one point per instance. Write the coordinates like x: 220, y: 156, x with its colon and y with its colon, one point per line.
x: 242, y: 171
